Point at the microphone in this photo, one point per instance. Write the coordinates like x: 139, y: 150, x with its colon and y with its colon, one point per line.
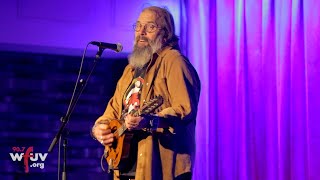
x: 116, y: 47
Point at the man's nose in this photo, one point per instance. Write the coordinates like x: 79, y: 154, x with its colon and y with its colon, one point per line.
x: 143, y: 30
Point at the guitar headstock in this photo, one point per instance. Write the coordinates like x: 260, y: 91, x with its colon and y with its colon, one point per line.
x: 151, y: 105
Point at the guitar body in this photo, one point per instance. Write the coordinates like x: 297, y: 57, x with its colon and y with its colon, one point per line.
x: 121, y: 155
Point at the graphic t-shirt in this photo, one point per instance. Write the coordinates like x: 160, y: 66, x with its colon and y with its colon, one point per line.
x: 131, y: 99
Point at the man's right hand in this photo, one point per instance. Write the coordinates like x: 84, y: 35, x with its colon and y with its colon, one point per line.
x: 102, y: 132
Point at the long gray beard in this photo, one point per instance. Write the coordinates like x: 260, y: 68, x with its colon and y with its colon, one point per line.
x: 142, y: 55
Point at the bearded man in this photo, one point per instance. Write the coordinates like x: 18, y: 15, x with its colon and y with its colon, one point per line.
x: 166, y: 149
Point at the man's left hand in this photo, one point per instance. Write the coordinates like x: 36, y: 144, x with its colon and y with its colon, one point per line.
x: 135, y: 123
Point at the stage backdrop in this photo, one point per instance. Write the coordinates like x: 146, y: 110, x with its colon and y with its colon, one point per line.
x: 260, y: 70
x: 258, y: 61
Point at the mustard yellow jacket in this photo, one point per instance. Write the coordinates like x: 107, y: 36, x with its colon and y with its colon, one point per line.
x: 168, y: 153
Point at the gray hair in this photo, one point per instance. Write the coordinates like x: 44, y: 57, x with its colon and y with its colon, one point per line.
x: 164, y: 19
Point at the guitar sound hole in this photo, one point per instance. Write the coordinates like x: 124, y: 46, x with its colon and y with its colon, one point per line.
x: 113, y: 129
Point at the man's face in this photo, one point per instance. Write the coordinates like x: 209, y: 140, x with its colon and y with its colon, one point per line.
x: 148, y: 29
x: 148, y: 39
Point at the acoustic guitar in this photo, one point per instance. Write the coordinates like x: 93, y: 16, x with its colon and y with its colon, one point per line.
x: 120, y: 155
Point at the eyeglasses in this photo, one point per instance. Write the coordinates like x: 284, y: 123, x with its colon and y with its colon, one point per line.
x: 150, y: 27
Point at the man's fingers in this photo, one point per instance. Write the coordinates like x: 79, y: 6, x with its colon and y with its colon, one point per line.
x: 105, y: 137
x: 99, y: 132
x: 109, y: 136
x: 107, y: 141
x: 103, y: 126
x: 107, y: 144
x: 105, y: 132
x: 129, y: 127
x: 132, y: 124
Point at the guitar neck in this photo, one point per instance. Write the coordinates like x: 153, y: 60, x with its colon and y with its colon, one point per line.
x: 122, y: 129
x: 146, y: 109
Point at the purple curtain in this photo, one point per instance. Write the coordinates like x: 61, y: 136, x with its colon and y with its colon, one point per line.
x: 259, y: 113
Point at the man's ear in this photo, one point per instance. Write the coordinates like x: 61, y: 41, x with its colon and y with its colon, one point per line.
x: 164, y: 40
x: 165, y: 36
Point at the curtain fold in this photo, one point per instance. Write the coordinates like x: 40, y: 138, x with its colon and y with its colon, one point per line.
x: 259, y: 63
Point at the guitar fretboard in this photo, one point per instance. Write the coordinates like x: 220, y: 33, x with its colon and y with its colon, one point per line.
x: 146, y: 109
x: 122, y: 129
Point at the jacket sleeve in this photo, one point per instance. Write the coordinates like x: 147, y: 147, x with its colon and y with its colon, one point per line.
x: 183, y: 86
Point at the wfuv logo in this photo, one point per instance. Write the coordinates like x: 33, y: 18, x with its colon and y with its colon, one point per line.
x: 25, y: 154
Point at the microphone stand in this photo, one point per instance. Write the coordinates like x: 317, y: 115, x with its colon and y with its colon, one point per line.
x: 62, y: 131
